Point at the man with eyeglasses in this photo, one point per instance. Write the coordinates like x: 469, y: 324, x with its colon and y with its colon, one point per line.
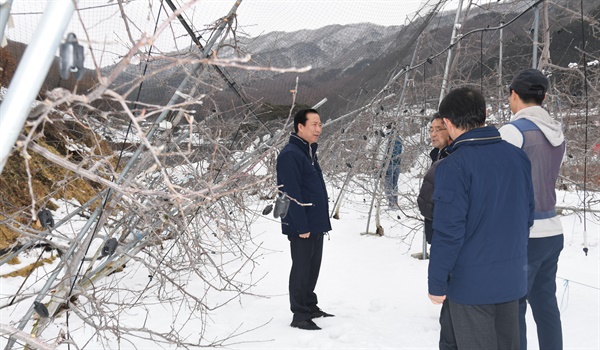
x: 439, y: 138
x: 440, y: 141
x: 534, y: 131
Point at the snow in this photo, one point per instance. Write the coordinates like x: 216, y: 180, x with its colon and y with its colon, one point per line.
x: 373, y: 285
x: 378, y: 292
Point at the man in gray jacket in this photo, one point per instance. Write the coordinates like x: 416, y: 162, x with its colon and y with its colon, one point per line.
x: 533, y: 130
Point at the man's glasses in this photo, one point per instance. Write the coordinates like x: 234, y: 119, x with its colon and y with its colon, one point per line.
x: 436, y: 130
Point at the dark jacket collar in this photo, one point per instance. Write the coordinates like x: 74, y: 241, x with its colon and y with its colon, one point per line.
x: 479, y: 136
x: 309, y: 149
x: 437, y: 154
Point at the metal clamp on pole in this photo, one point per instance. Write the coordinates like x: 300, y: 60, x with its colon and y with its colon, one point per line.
x: 71, y: 58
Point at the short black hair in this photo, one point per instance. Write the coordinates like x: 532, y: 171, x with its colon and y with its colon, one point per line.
x: 435, y: 116
x: 464, y: 107
x: 300, y: 117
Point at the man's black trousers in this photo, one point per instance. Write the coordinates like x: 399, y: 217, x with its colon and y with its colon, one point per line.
x: 306, y: 263
x: 489, y: 327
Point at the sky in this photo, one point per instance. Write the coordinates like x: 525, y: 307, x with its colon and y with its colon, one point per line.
x: 259, y: 16
x: 313, y: 14
x: 374, y: 287
x: 101, y: 18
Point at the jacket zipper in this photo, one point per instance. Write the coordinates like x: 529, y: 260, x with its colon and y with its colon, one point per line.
x: 479, y: 139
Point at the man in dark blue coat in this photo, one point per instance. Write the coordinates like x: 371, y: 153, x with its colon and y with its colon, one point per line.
x: 483, y: 209
x: 300, y: 177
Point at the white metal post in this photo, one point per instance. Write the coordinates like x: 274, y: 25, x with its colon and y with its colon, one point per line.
x: 4, y: 13
x: 536, y: 24
x: 500, y: 87
x: 31, y: 73
x: 449, y: 57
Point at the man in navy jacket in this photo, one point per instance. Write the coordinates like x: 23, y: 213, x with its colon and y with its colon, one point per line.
x: 483, y: 209
x: 300, y: 177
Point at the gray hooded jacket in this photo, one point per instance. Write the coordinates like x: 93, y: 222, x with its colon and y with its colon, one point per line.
x: 544, y: 144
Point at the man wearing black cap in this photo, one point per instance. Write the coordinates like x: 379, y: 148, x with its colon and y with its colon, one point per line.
x: 533, y: 130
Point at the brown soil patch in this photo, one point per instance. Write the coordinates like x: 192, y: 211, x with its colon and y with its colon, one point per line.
x: 25, y: 271
x: 48, y: 181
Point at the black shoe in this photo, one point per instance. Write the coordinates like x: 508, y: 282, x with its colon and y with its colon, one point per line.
x: 320, y: 313
x: 305, y: 324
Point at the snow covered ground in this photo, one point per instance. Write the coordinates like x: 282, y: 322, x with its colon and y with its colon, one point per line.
x: 373, y: 285
x: 378, y: 292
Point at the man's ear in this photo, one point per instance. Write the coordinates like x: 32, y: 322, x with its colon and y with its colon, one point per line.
x: 447, y: 122
x: 514, y: 94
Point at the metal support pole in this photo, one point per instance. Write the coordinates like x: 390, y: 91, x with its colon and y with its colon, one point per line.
x: 449, y: 57
x: 424, y: 254
x: 545, y: 52
x: 407, y: 75
x: 46, y: 288
x: 536, y: 24
x: 4, y: 13
x: 31, y: 73
x: 500, y: 87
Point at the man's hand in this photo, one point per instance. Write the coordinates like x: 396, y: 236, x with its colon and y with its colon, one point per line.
x: 437, y: 299
x: 305, y: 235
